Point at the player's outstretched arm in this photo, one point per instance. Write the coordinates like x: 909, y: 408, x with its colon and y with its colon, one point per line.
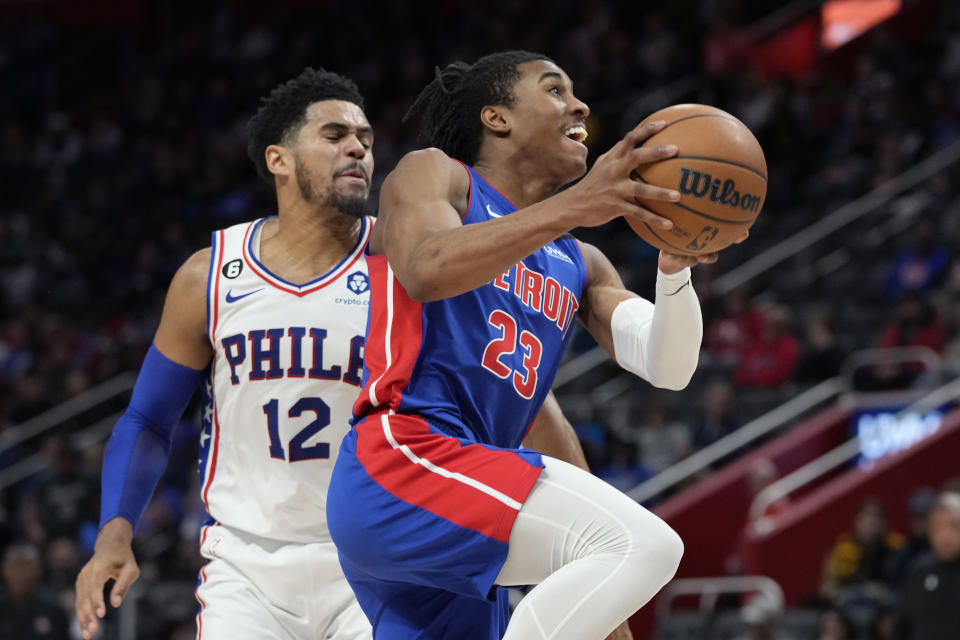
x: 137, y: 452
x: 659, y: 342
x: 434, y: 256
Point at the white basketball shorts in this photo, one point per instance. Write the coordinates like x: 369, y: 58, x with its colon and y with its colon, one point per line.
x: 260, y: 589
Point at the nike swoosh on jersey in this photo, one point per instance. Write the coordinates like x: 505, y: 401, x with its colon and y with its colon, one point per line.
x: 493, y: 213
x: 233, y: 298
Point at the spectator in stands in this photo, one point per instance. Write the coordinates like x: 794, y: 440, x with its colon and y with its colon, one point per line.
x: 662, y: 439
x: 919, y: 267
x: 729, y: 333
x: 763, y: 474
x: 761, y: 617
x: 63, y: 498
x: 836, y: 625
x: 717, y: 417
x: 62, y: 560
x: 860, y: 564
x: 884, y: 624
x: 770, y: 358
x: 28, y: 612
x: 915, y: 323
x: 822, y: 355
x: 16, y: 356
x: 930, y: 608
x: 917, y: 543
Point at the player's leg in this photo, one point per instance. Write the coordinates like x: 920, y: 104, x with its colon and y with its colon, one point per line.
x: 350, y: 623
x: 261, y: 588
x: 595, y: 555
x: 230, y: 607
x: 403, y: 611
x: 336, y: 614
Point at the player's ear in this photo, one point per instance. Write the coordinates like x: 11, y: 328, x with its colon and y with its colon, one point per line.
x: 279, y: 160
x: 496, y: 120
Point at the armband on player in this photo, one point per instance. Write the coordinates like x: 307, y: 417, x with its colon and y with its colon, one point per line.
x: 660, y: 343
x: 137, y: 452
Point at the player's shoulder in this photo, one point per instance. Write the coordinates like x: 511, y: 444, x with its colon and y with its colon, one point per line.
x: 191, y: 278
x: 428, y: 157
x: 434, y: 164
x: 585, y: 247
x: 197, y: 266
x: 591, y: 254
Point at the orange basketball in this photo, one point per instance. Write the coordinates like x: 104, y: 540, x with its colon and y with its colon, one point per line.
x: 721, y: 175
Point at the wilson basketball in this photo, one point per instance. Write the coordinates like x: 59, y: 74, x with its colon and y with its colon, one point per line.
x: 721, y: 175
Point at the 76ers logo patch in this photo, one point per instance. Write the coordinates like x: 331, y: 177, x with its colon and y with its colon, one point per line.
x: 358, y: 282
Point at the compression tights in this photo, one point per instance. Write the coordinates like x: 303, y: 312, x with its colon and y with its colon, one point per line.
x: 595, y: 555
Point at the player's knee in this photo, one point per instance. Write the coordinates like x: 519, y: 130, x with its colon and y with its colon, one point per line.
x: 661, y: 550
x: 672, y: 549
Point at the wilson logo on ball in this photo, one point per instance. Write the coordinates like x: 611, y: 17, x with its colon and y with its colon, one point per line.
x: 698, y: 184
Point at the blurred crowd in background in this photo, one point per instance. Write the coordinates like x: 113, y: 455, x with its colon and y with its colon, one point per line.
x: 123, y: 148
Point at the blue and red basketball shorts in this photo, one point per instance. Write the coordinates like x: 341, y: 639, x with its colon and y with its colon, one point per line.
x: 421, y: 520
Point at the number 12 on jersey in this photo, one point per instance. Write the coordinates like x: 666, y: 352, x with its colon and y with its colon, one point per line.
x: 524, y: 382
x: 298, y: 452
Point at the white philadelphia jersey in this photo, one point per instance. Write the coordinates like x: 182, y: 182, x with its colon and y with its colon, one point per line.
x: 287, y: 367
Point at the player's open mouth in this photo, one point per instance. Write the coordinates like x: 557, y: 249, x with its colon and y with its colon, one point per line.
x: 577, y: 133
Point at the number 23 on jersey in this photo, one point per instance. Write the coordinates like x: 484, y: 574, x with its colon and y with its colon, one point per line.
x: 525, y: 378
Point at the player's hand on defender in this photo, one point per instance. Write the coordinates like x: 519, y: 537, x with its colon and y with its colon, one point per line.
x: 112, y: 558
x: 608, y: 191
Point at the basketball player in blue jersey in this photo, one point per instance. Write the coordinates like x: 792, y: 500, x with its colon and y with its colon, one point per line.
x: 271, y: 320
x: 432, y: 505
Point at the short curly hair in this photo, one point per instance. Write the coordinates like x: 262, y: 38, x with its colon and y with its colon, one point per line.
x: 284, y: 111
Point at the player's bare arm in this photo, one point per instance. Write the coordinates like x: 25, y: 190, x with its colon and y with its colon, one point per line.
x: 659, y: 342
x: 181, y: 337
x: 434, y: 256
x: 551, y: 433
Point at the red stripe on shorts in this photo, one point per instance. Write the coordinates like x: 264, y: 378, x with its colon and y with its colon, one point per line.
x: 455, y: 499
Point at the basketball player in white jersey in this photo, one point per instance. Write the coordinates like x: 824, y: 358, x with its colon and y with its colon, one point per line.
x: 271, y: 319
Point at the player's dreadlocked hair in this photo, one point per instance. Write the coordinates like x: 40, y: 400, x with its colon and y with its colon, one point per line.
x: 449, y: 107
x: 284, y: 111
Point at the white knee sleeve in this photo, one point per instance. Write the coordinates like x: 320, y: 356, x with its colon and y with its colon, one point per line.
x: 596, y: 555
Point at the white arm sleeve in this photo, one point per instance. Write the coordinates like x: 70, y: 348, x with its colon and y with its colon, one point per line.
x: 661, y: 342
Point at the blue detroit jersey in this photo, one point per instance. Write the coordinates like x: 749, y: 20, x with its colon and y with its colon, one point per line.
x: 481, y: 362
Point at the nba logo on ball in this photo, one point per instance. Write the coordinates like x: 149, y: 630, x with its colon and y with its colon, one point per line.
x: 721, y: 175
x: 358, y: 282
